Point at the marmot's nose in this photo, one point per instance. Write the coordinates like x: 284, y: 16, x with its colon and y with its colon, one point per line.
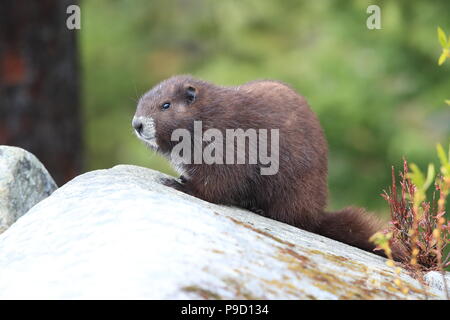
x: 137, y: 125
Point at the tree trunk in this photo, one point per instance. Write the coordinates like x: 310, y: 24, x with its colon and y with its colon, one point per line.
x: 39, y: 84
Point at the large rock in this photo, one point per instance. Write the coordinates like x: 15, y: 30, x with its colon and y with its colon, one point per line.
x: 23, y: 182
x: 119, y: 233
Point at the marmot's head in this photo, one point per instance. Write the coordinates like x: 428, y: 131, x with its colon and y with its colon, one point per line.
x: 170, y: 105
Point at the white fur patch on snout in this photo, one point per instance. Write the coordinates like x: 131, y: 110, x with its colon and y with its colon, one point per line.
x: 148, y: 133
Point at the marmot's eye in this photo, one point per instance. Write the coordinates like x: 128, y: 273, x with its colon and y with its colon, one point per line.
x: 165, y: 106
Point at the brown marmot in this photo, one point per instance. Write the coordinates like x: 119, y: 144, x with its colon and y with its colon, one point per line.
x: 296, y: 194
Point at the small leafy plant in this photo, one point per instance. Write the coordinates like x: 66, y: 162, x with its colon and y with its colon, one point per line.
x: 418, y: 234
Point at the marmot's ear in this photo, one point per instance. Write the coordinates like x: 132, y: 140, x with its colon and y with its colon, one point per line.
x: 191, y: 94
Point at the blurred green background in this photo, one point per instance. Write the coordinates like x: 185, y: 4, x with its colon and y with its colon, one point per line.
x: 379, y: 94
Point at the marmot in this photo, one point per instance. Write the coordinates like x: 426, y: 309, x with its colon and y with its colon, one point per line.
x: 296, y: 194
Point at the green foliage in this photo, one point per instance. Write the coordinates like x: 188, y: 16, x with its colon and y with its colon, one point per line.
x: 422, y: 184
x: 445, y: 46
x: 378, y: 93
x: 445, y: 50
x: 445, y: 160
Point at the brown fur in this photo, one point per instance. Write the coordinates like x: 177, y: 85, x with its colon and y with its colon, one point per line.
x: 351, y: 225
x: 297, y: 194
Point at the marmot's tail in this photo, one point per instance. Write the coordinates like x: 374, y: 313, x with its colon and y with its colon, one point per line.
x: 353, y: 226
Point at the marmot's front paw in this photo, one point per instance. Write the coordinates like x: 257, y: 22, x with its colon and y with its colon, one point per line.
x: 173, y: 183
x: 257, y: 211
x: 170, y: 182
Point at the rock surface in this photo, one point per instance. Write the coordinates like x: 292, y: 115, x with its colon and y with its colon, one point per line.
x: 435, y: 280
x: 24, y: 181
x: 120, y: 234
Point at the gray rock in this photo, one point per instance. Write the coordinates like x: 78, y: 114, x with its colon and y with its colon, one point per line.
x: 119, y: 233
x: 24, y: 181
